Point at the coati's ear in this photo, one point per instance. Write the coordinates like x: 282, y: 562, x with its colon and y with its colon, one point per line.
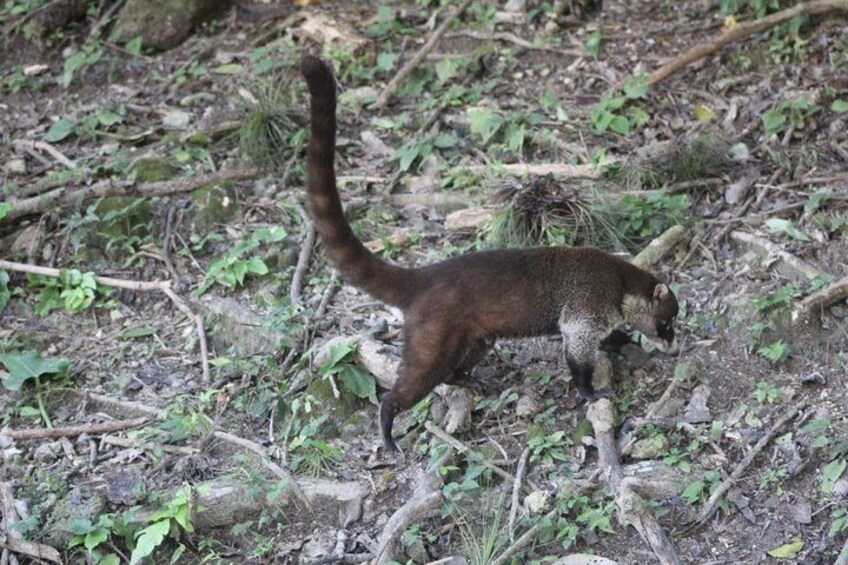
x: 661, y: 292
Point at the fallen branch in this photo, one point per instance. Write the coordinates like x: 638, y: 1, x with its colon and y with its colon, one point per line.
x: 275, y: 469
x: 91, y: 429
x: 462, y: 448
x: 418, y: 57
x: 127, y: 442
x: 47, y: 148
x: 657, y: 249
x: 710, y: 506
x: 526, y: 538
x: 516, y: 490
x: 33, y: 550
x: 201, y: 330
x: 532, y: 169
x: 789, y: 264
x: 515, y: 40
x: 426, y: 498
x: 818, y: 301
x: 303, y: 256
x: 632, y: 509
x: 742, y: 31
x: 106, y: 188
x: 104, y: 281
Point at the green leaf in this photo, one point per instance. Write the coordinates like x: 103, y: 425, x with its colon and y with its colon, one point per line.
x: 229, y: 69
x: 445, y: 141
x: 638, y: 115
x: 839, y: 106
x: 29, y: 365
x: 831, y: 473
x: 620, y: 124
x: 108, y: 117
x: 386, y: 61
x: 692, y: 493
x: 338, y: 353
x: 787, y: 550
x: 95, y: 538
x: 485, y: 123
x: 636, y: 87
x: 359, y: 381
x: 109, y: 559
x: 134, y: 45
x: 59, y: 131
x: 593, y: 44
x: 5, y: 293
x: 141, y: 331
x: 780, y: 225
x: 773, y: 121
x: 5, y: 208
x: 149, y: 539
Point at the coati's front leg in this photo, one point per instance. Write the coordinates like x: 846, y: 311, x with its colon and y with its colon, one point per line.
x: 581, y: 340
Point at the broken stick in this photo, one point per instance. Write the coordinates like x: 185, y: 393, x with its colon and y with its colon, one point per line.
x: 418, y: 57
x: 91, y: 429
x: 742, y: 31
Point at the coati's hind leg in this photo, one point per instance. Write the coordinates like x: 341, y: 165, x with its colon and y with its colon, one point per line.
x: 431, y: 355
x: 463, y: 375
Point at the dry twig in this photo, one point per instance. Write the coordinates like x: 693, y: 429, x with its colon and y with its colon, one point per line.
x: 516, y: 491
x: 820, y: 300
x: 462, y: 448
x: 47, y: 148
x: 742, y: 31
x: 303, y: 256
x: 105, y: 188
x: 91, y: 429
x: 418, y: 57
x: 710, y: 507
x: 105, y: 281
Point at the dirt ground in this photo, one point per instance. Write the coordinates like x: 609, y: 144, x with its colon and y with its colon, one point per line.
x: 139, y: 347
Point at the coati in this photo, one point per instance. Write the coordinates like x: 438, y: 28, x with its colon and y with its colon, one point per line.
x: 454, y: 310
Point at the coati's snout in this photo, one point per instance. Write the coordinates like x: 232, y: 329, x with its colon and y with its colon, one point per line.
x: 654, y: 318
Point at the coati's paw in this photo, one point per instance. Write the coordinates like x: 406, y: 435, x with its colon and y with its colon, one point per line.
x: 592, y: 395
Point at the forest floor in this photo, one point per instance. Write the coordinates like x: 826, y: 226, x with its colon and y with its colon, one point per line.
x: 153, y: 167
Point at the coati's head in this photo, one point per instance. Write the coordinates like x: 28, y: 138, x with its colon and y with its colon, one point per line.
x: 654, y: 316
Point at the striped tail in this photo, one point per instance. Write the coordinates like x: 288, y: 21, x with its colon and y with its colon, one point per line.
x: 358, y: 266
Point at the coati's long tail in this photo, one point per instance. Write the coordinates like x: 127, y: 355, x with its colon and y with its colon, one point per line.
x: 358, y: 266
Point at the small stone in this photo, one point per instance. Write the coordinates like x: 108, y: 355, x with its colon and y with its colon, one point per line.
x: 47, y: 452
x: 32, y: 70
x: 697, y: 411
x: 515, y: 5
x: 650, y: 448
x: 176, y: 119
x: 527, y: 407
x: 537, y: 501
x: 16, y: 166
x: 802, y: 511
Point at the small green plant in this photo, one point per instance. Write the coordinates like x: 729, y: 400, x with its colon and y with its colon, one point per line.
x: 271, y: 134
x: 232, y: 269
x: 110, y: 530
x: 759, y: 7
x: 698, y: 490
x: 352, y: 377
x: 788, y: 113
x: 773, y: 477
x: 766, y: 393
x: 618, y: 112
x: 593, y: 44
x: 73, y: 290
x: 87, y: 56
x: 546, y: 211
x: 576, y: 511
x: 777, y: 352
x: 835, y: 467
x: 548, y: 448
x: 482, y: 544
x: 507, y: 132
x: 647, y: 217
x: 839, y: 522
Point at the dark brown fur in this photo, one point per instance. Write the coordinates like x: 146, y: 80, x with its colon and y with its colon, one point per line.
x: 453, y: 310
